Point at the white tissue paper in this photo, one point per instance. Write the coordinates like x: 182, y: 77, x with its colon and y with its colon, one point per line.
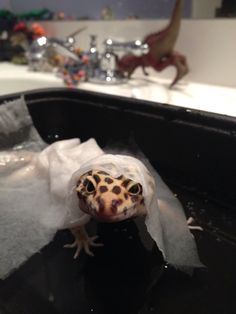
x: 33, y: 185
x: 38, y: 197
x: 165, y: 219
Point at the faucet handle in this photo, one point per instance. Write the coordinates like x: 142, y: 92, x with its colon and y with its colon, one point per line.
x: 137, y: 47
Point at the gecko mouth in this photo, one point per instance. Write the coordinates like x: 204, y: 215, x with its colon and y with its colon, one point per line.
x: 114, y: 217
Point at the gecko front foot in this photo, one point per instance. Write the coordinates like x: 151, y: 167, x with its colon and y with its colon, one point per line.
x: 82, y: 241
x: 189, y: 223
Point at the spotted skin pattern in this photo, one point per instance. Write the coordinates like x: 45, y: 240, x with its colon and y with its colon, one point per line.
x: 109, y: 199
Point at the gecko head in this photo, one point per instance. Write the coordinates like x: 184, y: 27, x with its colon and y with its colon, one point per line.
x: 109, y: 199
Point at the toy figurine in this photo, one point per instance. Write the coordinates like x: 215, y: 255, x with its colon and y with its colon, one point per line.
x: 22, y: 36
x: 161, y: 50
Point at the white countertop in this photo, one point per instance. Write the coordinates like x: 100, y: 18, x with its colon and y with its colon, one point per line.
x: 211, y: 98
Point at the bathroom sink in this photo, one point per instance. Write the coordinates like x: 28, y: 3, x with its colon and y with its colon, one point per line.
x: 155, y: 88
x: 190, y: 150
x: 190, y: 95
x: 13, y: 85
x: 14, y: 79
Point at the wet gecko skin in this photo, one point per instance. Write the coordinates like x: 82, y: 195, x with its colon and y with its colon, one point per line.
x: 106, y: 199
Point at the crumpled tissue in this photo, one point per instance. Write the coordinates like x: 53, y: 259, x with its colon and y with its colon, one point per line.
x: 38, y: 197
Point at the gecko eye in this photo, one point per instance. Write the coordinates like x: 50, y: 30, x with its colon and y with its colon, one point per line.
x: 135, y: 189
x: 89, y: 186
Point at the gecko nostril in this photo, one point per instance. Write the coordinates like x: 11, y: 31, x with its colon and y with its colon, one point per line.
x: 114, y: 207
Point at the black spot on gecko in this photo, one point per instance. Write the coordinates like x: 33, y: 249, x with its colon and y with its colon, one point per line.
x: 108, y: 180
x: 103, y: 189
x: 116, y: 189
x: 103, y: 172
x: 96, y: 178
x: 134, y: 198
x: 125, y: 183
x: 126, y: 196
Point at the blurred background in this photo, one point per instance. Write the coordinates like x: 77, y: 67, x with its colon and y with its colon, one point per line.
x: 121, y: 9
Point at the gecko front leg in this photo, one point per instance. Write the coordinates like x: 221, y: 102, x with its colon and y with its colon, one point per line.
x: 82, y: 241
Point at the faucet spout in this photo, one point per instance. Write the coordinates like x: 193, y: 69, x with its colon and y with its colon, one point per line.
x: 43, y: 49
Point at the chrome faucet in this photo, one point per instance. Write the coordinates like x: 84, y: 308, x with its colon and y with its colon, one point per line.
x: 94, y: 58
x: 101, y: 67
x: 105, y: 70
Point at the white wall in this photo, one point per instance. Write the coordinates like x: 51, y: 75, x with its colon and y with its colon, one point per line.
x: 5, y: 4
x: 204, y: 9
x: 209, y: 45
x: 90, y: 8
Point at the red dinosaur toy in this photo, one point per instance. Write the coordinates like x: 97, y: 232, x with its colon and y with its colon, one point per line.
x: 161, y: 53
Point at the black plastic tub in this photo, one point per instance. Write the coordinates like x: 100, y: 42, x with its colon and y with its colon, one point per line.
x: 195, y: 153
